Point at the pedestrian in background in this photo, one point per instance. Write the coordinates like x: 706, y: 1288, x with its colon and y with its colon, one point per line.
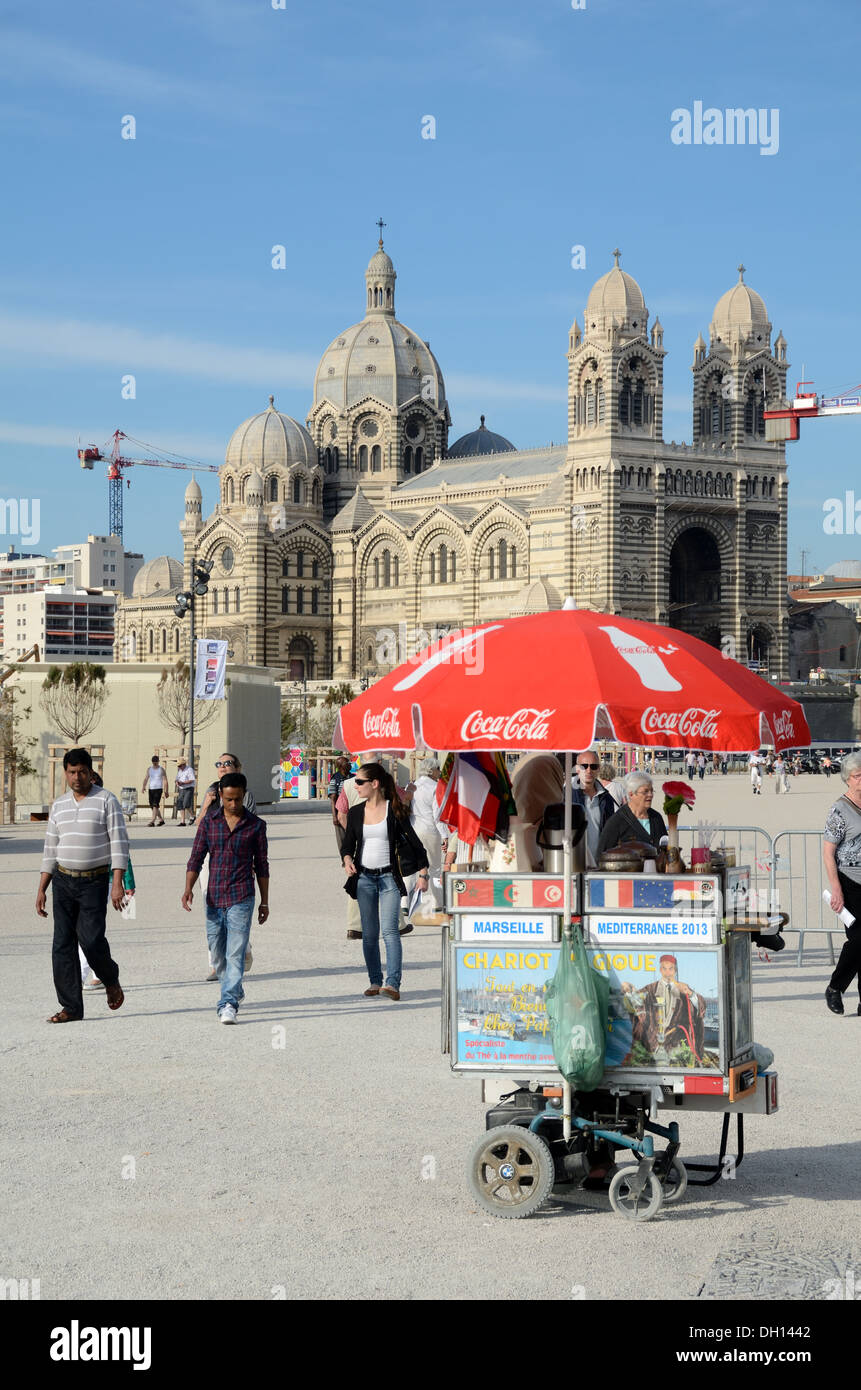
x: 701, y: 765
x: 184, y: 784
x: 781, y: 780
x: 86, y: 854
x: 613, y: 784
x: 424, y: 818
x: 841, y: 852
x: 235, y: 841
x: 826, y: 765
x: 340, y: 774
x: 753, y: 764
x: 154, y: 782
x: 380, y: 846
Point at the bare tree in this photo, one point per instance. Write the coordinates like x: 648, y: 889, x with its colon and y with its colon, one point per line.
x: 13, y: 747
x: 172, y: 696
x: 73, y: 697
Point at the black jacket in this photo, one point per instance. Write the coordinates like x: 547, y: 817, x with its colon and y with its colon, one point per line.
x: 624, y: 825
x: 407, y: 854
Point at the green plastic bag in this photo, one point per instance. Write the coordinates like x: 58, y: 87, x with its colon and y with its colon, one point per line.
x: 578, y: 1001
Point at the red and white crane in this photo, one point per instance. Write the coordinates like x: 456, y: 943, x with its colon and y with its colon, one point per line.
x: 117, y: 461
x: 784, y: 424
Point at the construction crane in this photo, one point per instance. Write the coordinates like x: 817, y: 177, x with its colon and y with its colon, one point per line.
x: 784, y: 424
x: 117, y: 461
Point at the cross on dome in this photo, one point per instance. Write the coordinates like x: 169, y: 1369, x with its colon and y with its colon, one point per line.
x: 381, y: 224
x: 741, y: 269
x: 617, y: 253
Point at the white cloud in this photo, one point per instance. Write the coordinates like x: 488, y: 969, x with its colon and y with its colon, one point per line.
x: 134, y: 350
x: 73, y: 437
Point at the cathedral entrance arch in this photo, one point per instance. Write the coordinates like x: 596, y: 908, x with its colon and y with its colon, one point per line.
x: 300, y: 659
x: 695, y: 584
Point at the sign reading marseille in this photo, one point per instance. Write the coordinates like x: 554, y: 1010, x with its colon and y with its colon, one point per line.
x: 209, y: 670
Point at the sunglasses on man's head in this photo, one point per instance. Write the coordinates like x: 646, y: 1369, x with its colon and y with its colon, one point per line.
x: 228, y: 762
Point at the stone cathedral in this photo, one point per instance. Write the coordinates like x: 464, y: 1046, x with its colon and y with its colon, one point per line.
x: 336, y: 544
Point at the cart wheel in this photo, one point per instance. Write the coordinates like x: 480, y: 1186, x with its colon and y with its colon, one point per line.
x: 635, y: 1206
x: 511, y: 1171
x: 675, y: 1184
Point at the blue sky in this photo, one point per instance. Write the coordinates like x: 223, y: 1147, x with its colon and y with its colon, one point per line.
x: 301, y: 126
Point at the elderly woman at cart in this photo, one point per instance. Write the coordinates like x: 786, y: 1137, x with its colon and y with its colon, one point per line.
x: 841, y: 851
x: 636, y: 820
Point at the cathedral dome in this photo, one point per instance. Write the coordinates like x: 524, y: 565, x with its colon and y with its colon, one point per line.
x: 193, y: 492
x: 617, y: 298
x: 159, y: 576
x: 480, y: 441
x: 741, y: 313
x: 537, y: 597
x: 270, y: 440
x: 379, y: 357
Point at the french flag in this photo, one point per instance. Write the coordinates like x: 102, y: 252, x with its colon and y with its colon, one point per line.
x: 463, y: 793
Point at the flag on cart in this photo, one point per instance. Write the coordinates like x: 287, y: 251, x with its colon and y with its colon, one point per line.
x: 474, y: 796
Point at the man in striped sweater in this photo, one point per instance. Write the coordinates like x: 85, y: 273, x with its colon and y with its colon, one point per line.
x: 85, y: 857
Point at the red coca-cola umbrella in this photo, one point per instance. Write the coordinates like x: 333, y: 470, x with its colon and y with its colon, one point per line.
x: 562, y: 680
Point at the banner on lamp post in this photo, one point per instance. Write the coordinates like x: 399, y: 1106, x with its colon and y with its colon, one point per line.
x: 210, y: 663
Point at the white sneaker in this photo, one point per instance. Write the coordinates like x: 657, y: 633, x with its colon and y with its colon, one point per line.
x: 227, y: 1015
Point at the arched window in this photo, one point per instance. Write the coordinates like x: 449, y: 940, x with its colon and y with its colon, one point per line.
x: 370, y: 655
x: 408, y: 459
x: 226, y: 596
x: 315, y: 600
x: 300, y: 599
x: 503, y: 559
x: 513, y: 563
x: 363, y: 458
x: 336, y: 460
x: 285, y: 567
x: 327, y: 460
x: 376, y: 571
x: 215, y: 603
x: 176, y: 639
x: 339, y: 656
x: 432, y: 568
x: 298, y: 490
x: 300, y: 564
x: 315, y: 569
x: 452, y: 571
x: 315, y: 493
x: 150, y: 643
x: 387, y: 569
x: 376, y: 459
x: 163, y: 640
x: 228, y: 491
x: 395, y: 569
x: 419, y: 459
x: 236, y: 599
x: 339, y: 608
x: 443, y: 565
x: 491, y: 560
x: 285, y: 600
x: 273, y: 489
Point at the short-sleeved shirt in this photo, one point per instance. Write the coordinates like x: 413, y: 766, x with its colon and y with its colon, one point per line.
x: 843, y: 829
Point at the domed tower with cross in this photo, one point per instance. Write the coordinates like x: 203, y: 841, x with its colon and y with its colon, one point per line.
x: 379, y: 415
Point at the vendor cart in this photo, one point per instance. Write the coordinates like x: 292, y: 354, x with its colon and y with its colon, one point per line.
x: 679, y: 1031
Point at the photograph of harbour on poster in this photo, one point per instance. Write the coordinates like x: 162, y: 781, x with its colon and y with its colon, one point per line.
x: 501, y: 1014
x: 664, y: 1008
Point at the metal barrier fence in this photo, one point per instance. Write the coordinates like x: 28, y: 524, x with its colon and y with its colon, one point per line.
x: 786, y: 874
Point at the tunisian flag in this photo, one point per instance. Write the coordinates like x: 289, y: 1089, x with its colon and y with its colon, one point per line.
x: 561, y: 680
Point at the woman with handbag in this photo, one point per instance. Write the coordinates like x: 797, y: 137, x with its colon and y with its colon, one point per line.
x: 380, y: 848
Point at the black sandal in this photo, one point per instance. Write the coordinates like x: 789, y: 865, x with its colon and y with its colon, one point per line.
x: 64, y: 1017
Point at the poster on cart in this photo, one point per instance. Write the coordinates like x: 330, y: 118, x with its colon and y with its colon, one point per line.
x: 501, y: 1018
x: 664, y: 1008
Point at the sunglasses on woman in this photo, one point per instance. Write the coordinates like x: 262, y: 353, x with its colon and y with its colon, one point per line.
x: 228, y: 762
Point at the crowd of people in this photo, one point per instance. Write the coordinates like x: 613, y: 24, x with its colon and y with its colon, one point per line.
x: 393, y: 847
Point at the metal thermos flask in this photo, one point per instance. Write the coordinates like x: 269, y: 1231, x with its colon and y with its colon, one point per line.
x: 551, y: 836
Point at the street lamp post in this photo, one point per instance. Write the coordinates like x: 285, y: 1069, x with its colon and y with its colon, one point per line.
x: 185, y: 605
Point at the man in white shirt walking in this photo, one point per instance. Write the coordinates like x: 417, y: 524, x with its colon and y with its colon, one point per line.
x: 86, y: 854
x: 185, y: 780
x: 154, y: 782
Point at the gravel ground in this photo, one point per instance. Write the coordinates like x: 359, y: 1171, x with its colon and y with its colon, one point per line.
x: 227, y: 1165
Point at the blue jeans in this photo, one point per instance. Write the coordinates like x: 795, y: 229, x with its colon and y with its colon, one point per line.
x: 379, y: 901
x: 227, y: 933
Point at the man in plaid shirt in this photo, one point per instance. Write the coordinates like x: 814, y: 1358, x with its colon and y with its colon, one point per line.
x: 235, y: 841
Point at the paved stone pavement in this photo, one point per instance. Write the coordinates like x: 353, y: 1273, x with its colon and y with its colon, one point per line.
x: 155, y: 1153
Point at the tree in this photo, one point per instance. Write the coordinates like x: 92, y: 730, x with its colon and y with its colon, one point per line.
x: 73, y: 697
x: 172, y: 697
x: 320, y: 728
x: 13, y: 748
x: 339, y: 695
x: 289, y: 725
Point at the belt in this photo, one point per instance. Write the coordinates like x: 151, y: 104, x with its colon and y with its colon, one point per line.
x: 375, y: 873
x: 85, y: 873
